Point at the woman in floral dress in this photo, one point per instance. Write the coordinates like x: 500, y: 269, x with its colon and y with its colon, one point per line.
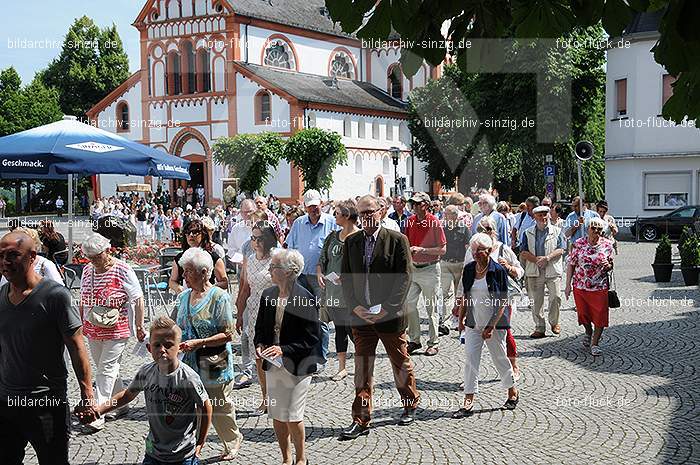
x: 590, y: 260
x: 257, y: 274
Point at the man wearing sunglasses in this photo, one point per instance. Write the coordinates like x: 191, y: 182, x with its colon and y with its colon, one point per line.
x: 541, y: 249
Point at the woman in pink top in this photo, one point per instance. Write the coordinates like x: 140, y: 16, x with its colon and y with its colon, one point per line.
x: 590, y: 260
x: 108, y: 283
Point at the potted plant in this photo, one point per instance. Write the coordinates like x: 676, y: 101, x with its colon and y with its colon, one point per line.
x: 689, y: 250
x: 663, y: 267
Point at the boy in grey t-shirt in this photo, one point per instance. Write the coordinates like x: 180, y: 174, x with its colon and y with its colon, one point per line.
x: 175, y: 399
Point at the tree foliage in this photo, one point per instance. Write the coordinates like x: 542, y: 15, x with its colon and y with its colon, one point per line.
x: 420, y: 22
x: 251, y: 157
x: 316, y: 153
x: 92, y: 63
x: 486, y: 127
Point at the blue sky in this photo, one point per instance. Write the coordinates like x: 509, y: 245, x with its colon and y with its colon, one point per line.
x: 43, y: 22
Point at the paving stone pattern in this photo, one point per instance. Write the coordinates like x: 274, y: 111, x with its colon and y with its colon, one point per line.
x: 638, y: 403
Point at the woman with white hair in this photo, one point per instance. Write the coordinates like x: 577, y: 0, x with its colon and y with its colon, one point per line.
x: 112, y: 307
x: 589, y: 262
x: 286, y: 335
x: 504, y: 256
x: 205, y: 315
x: 42, y: 266
x: 484, y: 320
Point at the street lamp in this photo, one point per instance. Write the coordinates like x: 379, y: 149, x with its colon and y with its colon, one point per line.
x: 395, y: 155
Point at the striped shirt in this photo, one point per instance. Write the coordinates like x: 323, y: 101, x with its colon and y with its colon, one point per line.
x: 118, y: 287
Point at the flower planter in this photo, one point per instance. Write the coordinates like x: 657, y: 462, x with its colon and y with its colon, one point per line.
x: 690, y: 275
x: 662, y: 272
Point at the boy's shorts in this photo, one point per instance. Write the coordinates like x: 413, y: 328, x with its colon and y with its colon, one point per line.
x: 148, y: 460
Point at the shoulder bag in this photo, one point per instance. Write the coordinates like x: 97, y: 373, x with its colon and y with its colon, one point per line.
x: 514, y: 289
x: 210, y: 359
x: 613, y: 298
x: 100, y: 315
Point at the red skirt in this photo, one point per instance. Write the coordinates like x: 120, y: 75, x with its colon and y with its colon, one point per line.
x: 592, y: 307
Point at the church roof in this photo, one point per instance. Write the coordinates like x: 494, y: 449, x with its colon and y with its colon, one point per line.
x: 322, y: 90
x: 645, y: 22
x: 304, y: 14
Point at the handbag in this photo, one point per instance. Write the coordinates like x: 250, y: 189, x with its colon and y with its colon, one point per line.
x: 209, y: 359
x: 101, y: 315
x: 613, y: 298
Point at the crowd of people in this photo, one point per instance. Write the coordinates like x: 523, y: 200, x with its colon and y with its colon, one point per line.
x: 363, y: 267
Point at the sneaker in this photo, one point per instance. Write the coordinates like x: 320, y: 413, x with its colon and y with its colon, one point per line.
x: 595, y: 350
x: 443, y: 330
x: 94, y: 427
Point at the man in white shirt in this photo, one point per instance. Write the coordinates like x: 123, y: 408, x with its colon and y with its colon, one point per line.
x: 240, y: 232
x: 59, y: 205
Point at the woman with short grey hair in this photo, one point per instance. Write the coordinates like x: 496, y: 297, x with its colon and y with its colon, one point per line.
x: 206, y: 317
x: 484, y: 319
x: 286, y: 333
x: 112, y: 308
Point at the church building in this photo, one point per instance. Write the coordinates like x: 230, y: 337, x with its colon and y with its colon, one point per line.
x: 218, y: 68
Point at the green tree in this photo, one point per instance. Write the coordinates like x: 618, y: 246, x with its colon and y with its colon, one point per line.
x: 420, y: 21
x: 92, y: 63
x: 495, y: 139
x: 317, y: 153
x: 251, y: 157
x: 23, y: 108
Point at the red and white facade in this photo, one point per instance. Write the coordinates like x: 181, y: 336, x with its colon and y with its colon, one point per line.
x: 191, y: 90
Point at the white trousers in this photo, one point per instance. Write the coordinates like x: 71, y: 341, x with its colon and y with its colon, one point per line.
x: 107, y: 356
x: 473, y: 345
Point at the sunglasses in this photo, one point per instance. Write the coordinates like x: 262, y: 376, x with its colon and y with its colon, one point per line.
x: 256, y: 238
x: 484, y: 229
x: 596, y: 228
x: 194, y: 232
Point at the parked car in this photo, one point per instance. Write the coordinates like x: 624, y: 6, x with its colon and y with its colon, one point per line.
x: 671, y: 223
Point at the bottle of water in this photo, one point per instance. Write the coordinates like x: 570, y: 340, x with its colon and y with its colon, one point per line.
x: 462, y: 337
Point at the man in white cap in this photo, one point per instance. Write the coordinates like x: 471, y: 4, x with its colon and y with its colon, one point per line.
x: 428, y: 244
x: 542, y: 252
x: 307, y: 235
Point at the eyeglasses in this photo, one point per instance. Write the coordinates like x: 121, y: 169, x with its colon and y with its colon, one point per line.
x: 256, y: 238
x: 369, y: 212
x: 275, y: 267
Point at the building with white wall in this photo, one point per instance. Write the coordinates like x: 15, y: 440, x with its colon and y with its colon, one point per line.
x: 651, y: 165
x: 218, y: 68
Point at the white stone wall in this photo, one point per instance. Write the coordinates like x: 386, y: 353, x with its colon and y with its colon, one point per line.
x: 313, y: 55
x: 107, y: 118
x: 625, y: 185
x: 644, y: 102
x: 638, y: 144
x: 245, y: 107
x: 382, y: 59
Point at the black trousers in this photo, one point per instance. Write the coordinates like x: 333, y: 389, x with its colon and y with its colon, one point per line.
x: 45, y: 425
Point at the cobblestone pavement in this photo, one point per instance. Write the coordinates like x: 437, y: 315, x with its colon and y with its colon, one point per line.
x: 635, y: 404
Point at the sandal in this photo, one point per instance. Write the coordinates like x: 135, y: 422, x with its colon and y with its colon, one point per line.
x: 431, y: 351
x: 586, y: 341
x: 595, y: 350
x: 340, y: 375
x: 511, y: 403
x: 464, y: 411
